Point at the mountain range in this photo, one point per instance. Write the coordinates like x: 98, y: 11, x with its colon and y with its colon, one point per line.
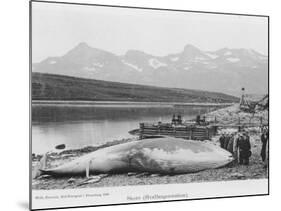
x: 225, y: 70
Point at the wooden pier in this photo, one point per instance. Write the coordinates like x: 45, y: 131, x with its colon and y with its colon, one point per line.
x: 193, y: 132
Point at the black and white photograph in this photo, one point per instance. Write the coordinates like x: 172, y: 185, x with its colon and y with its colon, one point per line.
x: 138, y: 97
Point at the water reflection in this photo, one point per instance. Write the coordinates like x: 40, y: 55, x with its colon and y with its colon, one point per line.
x: 83, y: 126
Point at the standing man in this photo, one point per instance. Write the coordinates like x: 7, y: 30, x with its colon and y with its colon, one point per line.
x: 266, y: 152
x: 174, y: 119
x: 226, y: 141
x: 235, y: 148
x: 221, y: 140
x: 230, y: 143
x: 198, y: 120
x: 264, y: 139
x: 244, y: 147
x: 179, y: 119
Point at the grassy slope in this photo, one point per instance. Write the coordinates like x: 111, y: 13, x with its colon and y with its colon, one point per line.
x: 58, y: 87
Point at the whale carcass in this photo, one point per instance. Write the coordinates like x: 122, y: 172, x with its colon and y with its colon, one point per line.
x: 164, y: 155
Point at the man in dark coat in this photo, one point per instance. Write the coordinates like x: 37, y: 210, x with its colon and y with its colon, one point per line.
x: 264, y: 139
x: 221, y: 140
x: 198, y: 119
x: 179, y: 119
x: 244, y: 147
x: 174, y: 121
x: 226, y: 141
x: 230, y: 144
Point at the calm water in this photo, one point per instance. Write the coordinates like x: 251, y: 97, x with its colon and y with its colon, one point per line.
x: 78, y: 126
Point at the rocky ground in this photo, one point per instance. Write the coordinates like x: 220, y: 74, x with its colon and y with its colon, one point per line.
x: 228, y: 115
x: 233, y: 115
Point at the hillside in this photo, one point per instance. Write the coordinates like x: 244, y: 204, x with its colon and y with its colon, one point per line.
x: 58, y: 87
x: 225, y: 70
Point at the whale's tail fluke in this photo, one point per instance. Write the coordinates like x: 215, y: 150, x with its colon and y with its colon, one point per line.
x: 40, y: 166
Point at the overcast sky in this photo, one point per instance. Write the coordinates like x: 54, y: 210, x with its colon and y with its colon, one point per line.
x: 57, y: 28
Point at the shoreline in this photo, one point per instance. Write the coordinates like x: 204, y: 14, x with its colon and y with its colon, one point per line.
x: 122, y: 103
x: 225, y: 116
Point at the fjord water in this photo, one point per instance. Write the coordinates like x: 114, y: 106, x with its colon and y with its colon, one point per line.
x: 87, y: 125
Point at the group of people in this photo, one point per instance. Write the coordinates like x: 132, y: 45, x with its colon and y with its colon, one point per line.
x: 200, y: 121
x: 176, y: 120
x: 239, y: 145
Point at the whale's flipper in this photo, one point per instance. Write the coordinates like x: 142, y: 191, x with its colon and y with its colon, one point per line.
x: 90, y: 180
x: 40, y: 166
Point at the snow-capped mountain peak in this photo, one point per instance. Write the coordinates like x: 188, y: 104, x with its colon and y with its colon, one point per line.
x: 224, y: 70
